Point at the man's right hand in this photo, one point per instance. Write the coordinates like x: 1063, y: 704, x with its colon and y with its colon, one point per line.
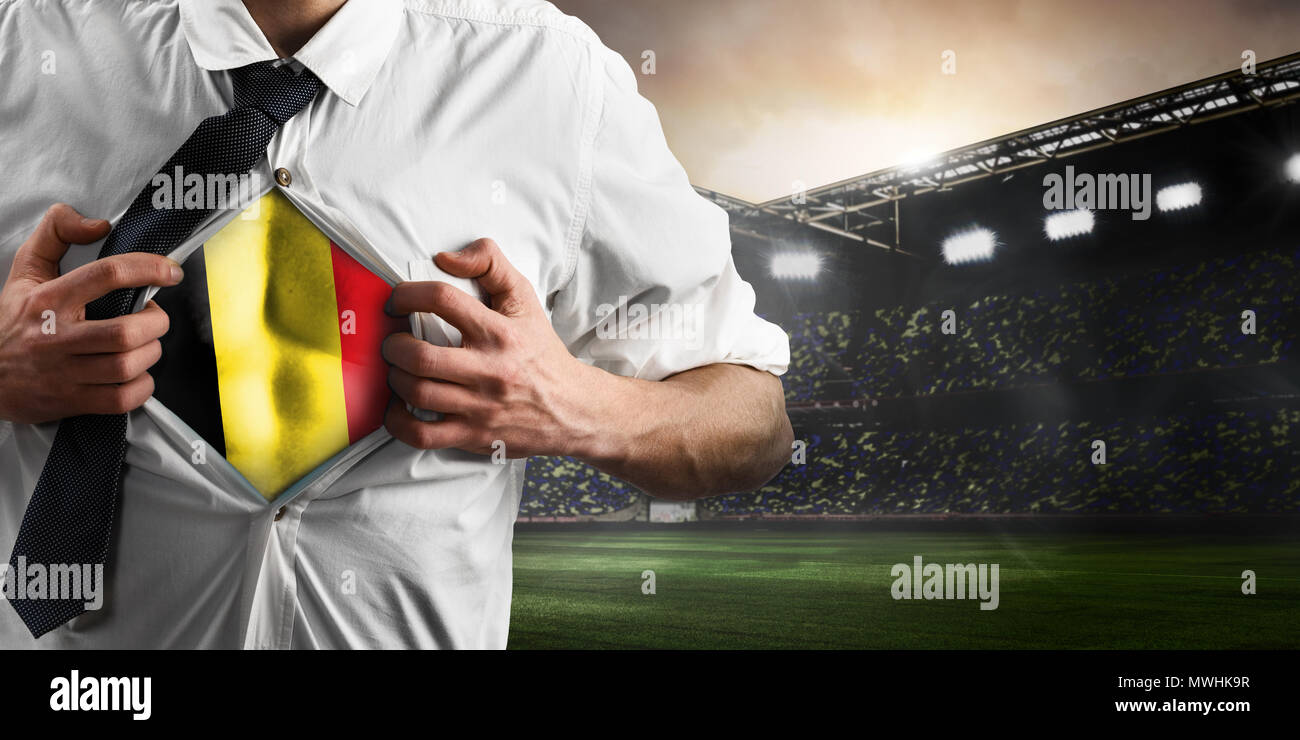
x: 54, y: 363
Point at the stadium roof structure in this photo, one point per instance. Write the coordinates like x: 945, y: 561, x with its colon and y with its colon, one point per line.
x: 865, y: 209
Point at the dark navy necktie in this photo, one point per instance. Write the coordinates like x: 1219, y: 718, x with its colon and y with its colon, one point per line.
x: 69, y: 520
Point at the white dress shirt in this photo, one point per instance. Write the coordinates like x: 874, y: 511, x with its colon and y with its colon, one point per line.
x: 441, y: 122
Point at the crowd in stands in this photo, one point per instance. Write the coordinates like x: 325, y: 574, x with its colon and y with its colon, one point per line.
x: 1165, y: 321
x: 1220, y: 462
x: 564, y: 487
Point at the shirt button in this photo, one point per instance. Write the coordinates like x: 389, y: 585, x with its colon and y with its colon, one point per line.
x: 280, y: 514
x: 283, y: 177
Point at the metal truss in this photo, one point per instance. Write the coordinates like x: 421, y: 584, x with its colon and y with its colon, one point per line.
x: 865, y: 209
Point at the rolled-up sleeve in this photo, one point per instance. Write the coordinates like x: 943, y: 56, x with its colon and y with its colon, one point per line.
x: 654, y: 290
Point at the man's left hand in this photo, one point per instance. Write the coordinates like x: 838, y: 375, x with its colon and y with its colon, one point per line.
x: 511, y: 382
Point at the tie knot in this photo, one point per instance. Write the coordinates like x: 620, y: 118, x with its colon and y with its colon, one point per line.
x: 274, y: 89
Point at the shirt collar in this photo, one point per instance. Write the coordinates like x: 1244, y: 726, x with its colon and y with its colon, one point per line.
x: 345, y: 54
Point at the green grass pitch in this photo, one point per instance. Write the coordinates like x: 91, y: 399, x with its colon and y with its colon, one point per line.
x: 776, y: 589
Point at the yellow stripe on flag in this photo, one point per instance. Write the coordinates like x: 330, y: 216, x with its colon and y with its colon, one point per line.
x: 275, y: 332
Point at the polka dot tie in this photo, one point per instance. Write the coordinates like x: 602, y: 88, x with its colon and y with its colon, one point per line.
x: 69, y: 520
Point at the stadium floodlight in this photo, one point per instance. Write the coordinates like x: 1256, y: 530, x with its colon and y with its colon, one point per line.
x: 969, y: 245
x: 1177, y: 197
x: 1293, y: 168
x: 916, y: 157
x: 796, y: 265
x: 1066, y: 224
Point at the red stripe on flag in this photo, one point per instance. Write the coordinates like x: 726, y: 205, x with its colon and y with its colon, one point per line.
x: 361, y: 336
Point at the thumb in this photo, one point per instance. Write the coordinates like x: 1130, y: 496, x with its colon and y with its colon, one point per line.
x: 38, y: 258
x: 484, y: 261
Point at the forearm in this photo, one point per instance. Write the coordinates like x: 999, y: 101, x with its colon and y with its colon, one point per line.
x: 715, y: 429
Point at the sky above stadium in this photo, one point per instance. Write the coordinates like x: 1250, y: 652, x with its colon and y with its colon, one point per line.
x: 757, y: 94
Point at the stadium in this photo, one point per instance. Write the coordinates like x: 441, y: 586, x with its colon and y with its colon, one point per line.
x: 1101, y: 399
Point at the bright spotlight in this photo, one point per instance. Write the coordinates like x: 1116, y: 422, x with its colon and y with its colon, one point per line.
x: 796, y: 265
x: 969, y: 246
x: 1066, y: 224
x: 917, y: 157
x: 1177, y: 197
x: 1293, y: 168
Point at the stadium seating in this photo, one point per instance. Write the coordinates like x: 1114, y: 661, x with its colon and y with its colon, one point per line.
x: 1222, y: 462
x: 1165, y: 321
x: 564, y: 487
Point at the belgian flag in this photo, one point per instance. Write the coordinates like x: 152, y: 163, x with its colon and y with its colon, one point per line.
x: 273, y: 356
